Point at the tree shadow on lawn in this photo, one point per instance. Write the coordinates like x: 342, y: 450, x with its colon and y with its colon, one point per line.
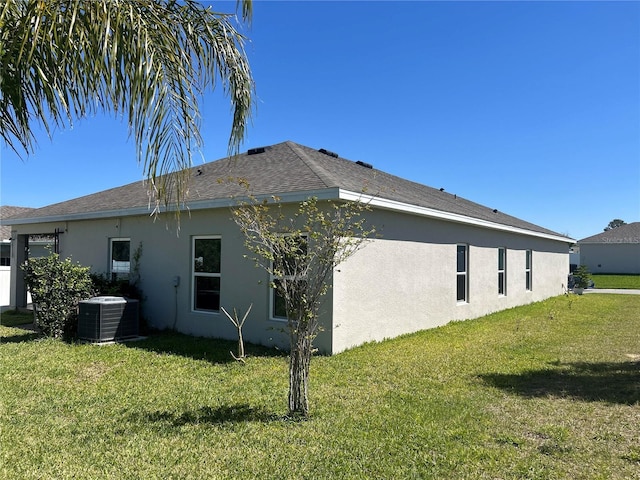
x: 200, y: 348
x: 20, y: 337
x: 223, y: 414
x: 610, y: 382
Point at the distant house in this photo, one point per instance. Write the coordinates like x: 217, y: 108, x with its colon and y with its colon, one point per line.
x: 614, y: 251
x: 440, y: 257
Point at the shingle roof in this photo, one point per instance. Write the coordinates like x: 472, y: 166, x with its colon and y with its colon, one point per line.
x: 8, y: 211
x: 286, y: 168
x: 628, y: 233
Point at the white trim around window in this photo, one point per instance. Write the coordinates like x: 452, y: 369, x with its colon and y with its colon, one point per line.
x: 119, y: 258
x: 275, y: 301
x: 462, y: 273
x: 502, y: 271
x: 206, y: 257
x: 528, y: 270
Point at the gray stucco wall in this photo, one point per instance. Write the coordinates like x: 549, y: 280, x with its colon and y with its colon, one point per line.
x: 406, y: 281
x: 167, y: 254
x: 611, y: 258
x: 400, y: 283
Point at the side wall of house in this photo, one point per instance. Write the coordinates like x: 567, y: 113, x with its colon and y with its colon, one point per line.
x: 167, y: 254
x: 405, y: 281
x: 611, y: 258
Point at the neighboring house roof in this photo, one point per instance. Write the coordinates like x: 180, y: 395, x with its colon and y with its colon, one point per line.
x: 292, y: 171
x: 627, y: 233
x: 7, y: 211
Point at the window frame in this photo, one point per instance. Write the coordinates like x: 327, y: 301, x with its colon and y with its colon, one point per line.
x: 502, y: 272
x: 528, y: 270
x: 464, y: 273
x: 195, y: 274
x: 273, y: 278
x: 118, y: 275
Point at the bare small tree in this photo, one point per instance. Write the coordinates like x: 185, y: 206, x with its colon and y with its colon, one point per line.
x: 238, y: 324
x: 300, y: 252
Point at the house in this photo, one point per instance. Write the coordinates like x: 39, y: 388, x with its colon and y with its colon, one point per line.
x: 38, y: 248
x: 615, y: 251
x: 440, y: 257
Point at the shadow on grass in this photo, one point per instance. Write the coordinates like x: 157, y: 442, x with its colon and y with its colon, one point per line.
x: 200, y: 348
x: 224, y: 414
x: 617, y: 383
x: 21, y: 336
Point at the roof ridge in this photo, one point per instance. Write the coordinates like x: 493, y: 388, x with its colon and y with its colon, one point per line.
x: 317, y: 169
x: 626, y: 233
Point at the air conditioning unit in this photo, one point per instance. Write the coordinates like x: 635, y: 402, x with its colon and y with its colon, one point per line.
x: 103, y: 319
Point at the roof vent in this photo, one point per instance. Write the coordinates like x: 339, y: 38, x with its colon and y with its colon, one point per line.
x: 364, y: 164
x: 254, y: 151
x: 442, y: 189
x: 327, y: 152
x: 495, y: 210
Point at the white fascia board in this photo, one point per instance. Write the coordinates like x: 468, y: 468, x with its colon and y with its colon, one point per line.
x: 441, y: 215
x: 287, y: 197
x: 79, y: 216
x: 290, y: 197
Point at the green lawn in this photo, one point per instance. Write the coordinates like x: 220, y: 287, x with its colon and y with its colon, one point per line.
x: 617, y: 281
x: 546, y: 391
x: 11, y: 318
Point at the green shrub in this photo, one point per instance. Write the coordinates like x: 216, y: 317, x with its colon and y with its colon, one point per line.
x: 582, y: 277
x: 103, y: 285
x: 56, y: 287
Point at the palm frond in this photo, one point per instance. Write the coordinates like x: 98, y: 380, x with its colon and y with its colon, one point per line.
x: 148, y: 60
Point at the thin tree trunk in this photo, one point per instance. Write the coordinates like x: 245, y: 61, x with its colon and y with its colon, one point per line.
x: 299, y: 360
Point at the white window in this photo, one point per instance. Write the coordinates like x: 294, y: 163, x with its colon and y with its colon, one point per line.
x: 528, y: 270
x: 119, y: 258
x: 502, y: 271
x: 205, y: 268
x: 462, y: 267
x: 288, y: 269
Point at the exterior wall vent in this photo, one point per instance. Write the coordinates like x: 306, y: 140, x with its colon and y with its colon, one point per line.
x: 364, y: 164
x: 103, y: 319
x: 327, y: 152
x: 254, y: 151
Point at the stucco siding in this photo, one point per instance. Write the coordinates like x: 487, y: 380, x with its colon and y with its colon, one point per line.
x: 400, y: 283
x: 167, y: 254
x: 611, y: 258
x: 397, y: 286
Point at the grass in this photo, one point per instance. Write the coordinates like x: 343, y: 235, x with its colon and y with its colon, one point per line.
x: 617, y: 281
x: 546, y: 391
x: 12, y: 318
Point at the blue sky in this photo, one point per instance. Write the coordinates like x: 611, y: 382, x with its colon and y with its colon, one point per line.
x: 532, y: 108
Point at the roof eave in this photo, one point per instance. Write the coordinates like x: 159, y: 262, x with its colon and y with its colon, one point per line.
x: 290, y: 197
x: 287, y: 197
x: 446, y: 216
